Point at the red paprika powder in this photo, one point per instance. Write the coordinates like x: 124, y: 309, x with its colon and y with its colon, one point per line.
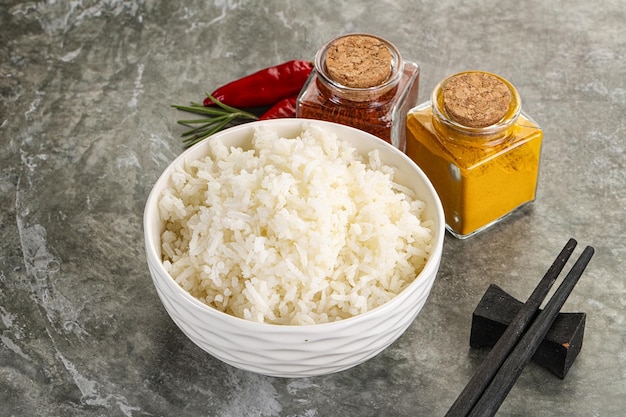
x: 361, y: 81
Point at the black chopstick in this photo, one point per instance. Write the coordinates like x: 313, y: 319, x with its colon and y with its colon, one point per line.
x: 497, y: 355
x: 507, y: 375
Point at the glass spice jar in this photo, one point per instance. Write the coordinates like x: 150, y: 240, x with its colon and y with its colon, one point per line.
x: 361, y: 81
x: 478, y: 148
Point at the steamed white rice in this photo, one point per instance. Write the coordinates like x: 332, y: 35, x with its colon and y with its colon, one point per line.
x: 293, y: 231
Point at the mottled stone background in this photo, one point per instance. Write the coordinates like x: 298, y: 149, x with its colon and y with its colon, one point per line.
x: 86, y: 128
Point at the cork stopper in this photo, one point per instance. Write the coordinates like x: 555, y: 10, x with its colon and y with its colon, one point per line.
x: 359, y: 61
x: 476, y: 99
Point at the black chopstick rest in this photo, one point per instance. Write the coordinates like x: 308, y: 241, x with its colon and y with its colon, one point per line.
x: 558, y: 350
x: 492, y: 397
x: 490, y: 366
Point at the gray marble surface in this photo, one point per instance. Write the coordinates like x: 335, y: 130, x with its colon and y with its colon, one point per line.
x: 86, y: 128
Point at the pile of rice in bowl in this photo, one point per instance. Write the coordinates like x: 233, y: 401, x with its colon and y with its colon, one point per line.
x: 294, y: 231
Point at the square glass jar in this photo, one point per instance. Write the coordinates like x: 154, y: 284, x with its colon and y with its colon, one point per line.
x: 481, y: 174
x: 380, y: 109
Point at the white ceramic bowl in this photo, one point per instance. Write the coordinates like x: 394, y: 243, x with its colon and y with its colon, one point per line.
x: 296, y: 351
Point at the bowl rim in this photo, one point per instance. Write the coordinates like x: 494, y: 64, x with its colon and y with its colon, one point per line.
x: 430, y: 269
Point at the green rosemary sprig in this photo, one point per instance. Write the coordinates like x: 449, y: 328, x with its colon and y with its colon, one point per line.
x: 214, y: 120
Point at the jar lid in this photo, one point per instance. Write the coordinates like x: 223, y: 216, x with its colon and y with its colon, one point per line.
x: 359, y: 67
x: 476, y: 99
x: 359, y: 61
x: 476, y: 103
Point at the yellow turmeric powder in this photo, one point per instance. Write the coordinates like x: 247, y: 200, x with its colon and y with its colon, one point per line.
x: 478, y: 149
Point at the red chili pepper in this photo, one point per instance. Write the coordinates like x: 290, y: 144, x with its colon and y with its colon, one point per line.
x: 283, y: 109
x: 265, y: 87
